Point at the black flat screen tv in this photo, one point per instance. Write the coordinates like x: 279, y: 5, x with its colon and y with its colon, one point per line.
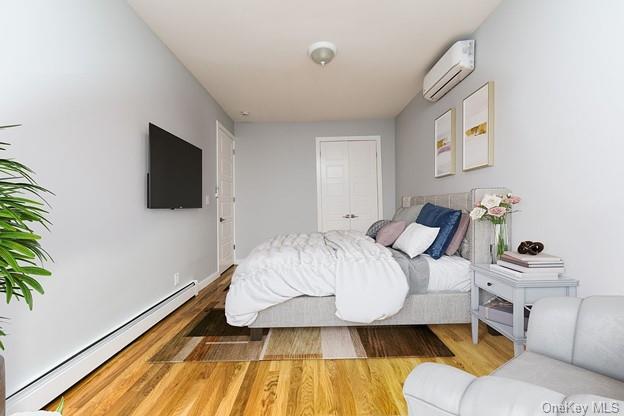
x: 174, y: 178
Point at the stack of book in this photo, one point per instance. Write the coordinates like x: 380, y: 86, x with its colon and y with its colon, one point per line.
x: 526, y: 266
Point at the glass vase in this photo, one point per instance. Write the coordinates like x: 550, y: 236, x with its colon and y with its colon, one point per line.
x: 500, y: 241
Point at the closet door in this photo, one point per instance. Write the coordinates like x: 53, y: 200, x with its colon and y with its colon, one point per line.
x: 334, y: 186
x: 348, y: 188
x: 363, y: 184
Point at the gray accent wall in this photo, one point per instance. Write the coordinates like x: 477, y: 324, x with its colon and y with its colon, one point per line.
x: 557, y: 67
x: 276, y: 175
x: 85, y: 78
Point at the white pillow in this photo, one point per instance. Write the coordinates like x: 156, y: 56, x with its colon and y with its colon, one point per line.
x: 416, y: 239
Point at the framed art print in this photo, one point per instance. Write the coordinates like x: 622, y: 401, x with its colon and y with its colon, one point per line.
x: 444, y: 144
x: 478, y: 128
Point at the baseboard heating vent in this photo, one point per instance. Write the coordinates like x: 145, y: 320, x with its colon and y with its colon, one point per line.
x: 54, y: 382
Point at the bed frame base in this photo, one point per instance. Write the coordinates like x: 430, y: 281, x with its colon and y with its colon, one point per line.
x: 421, y: 309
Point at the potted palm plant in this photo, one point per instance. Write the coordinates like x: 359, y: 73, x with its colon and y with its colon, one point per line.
x: 22, y: 206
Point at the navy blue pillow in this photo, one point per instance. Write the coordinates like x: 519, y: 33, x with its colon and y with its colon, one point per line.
x: 446, y: 219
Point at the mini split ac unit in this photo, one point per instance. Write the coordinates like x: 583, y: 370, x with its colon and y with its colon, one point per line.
x: 454, y: 66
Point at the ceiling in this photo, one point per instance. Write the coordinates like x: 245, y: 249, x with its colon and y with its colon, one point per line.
x: 251, y: 55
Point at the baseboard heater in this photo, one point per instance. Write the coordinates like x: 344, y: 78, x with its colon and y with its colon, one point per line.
x: 53, y: 383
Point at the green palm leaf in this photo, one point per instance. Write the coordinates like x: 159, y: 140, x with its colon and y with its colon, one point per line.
x: 22, y: 205
x: 36, y: 271
x: 20, y: 248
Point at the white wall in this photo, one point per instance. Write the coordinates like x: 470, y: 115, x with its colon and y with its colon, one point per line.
x: 85, y: 78
x: 276, y: 175
x: 557, y: 66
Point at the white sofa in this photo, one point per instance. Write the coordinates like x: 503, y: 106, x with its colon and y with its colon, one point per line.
x: 573, y: 365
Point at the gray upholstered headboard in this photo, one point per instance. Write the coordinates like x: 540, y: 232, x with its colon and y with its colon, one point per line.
x: 479, y: 233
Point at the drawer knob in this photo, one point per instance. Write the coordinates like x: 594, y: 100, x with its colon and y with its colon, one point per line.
x: 489, y: 283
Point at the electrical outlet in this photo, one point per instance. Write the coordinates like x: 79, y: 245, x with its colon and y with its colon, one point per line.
x: 176, y: 279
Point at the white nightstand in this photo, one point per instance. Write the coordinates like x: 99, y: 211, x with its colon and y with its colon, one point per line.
x: 487, y: 283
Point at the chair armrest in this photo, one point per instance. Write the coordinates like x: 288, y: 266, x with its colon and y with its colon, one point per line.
x: 552, y: 326
x: 435, y: 389
x: 496, y: 396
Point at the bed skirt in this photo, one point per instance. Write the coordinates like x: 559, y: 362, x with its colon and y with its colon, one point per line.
x: 307, y: 311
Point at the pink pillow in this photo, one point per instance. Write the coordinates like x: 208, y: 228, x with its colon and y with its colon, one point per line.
x: 390, y: 232
x: 459, y: 235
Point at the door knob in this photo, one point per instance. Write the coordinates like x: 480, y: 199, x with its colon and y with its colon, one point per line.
x: 221, y: 219
x: 346, y: 216
x: 353, y: 216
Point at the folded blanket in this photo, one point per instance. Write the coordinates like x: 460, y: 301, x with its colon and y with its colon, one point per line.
x: 416, y: 270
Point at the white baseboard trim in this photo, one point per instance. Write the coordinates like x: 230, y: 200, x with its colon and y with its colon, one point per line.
x: 202, y: 284
x: 52, y: 384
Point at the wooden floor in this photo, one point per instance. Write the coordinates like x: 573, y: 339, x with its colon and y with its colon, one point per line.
x: 129, y: 385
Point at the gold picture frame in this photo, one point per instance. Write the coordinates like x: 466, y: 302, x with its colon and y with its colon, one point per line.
x: 444, y: 144
x: 478, y: 128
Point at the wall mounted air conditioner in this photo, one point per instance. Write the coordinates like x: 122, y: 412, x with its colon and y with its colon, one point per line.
x: 454, y: 66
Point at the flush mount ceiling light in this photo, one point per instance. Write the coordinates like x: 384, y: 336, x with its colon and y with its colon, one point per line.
x: 322, y: 52
x: 244, y: 113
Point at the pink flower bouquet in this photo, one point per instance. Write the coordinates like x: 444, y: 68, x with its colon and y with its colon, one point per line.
x: 495, y: 208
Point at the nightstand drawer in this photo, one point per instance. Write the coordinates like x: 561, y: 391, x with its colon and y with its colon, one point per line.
x: 494, y: 286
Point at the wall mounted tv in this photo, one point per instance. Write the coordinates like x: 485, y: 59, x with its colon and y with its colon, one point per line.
x: 174, y: 179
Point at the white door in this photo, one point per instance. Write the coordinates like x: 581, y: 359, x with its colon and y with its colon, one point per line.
x: 363, y: 184
x: 225, y: 197
x: 349, y: 183
x: 335, y: 206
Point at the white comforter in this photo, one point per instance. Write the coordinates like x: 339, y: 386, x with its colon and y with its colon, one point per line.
x: 367, y: 282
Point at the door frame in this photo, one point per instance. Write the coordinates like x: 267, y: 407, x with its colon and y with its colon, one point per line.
x: 224, y: 129
x: 319, y: 140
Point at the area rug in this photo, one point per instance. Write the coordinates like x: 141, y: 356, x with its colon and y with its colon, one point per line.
x: 208, y: 338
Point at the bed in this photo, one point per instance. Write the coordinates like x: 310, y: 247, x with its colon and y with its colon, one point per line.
x: 445, y: 300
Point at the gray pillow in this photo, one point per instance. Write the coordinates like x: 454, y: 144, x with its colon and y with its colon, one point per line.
x: 374, y: 229
x: 465, y: 250
x: 408, y: 214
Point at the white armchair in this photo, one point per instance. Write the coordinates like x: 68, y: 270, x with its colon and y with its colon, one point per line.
x: 573, y: 364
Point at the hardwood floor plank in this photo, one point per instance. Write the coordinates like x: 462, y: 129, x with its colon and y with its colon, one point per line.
x: 325, y: 403
x: 342, y: 388
x: 154, y: 399
x: 283, y: 387
x: 307, y: 388
x: 233, y: 387
x: 382, y: 397
x: 362, y: 392
x: 243, y: 393
x: 257, y: 402
x: 127, y: 403
x: 129, y: 384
